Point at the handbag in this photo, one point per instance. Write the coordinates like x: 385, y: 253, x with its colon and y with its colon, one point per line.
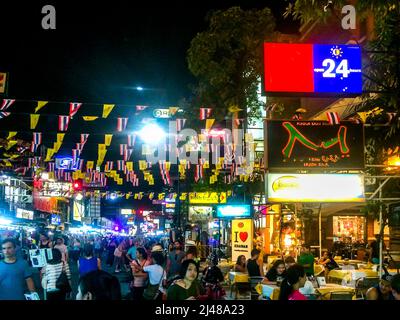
x: 62, y: 283
x: 151, y: 292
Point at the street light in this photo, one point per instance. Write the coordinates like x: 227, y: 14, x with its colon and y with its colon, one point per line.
x: 152, y: 133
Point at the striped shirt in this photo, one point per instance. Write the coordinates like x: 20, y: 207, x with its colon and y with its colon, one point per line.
x: 52, y: 272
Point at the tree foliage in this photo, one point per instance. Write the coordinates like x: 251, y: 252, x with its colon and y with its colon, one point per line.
x: 227, y: 59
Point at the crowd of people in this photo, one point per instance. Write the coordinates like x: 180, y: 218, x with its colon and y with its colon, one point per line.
x: 295, y: 278
x: 156, y: 269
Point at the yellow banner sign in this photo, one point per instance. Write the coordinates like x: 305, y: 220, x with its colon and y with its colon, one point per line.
x: 242, y: 238
x: 207, y: 197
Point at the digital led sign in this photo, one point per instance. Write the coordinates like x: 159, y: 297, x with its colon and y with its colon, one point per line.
x: 314, y: 145
x: 55, y: 219
x: 66, y: 163
x: 233, y: 211
x: 312, y: 69
x: 287, y: 187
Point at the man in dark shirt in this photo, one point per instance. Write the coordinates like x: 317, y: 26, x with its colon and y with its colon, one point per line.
x: 253, y: 268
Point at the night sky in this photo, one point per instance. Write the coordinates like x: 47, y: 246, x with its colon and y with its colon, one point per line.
x: 99, y: 52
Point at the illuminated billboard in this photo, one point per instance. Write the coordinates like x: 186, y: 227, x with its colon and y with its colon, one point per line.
x: 24, y: 214
x: 312, y: 69
x: 78, y: 211
x: 127, y: 211
x: 233, y: 211
x: 314, y: 145
x: 286, y: 187
x: 207, y: 197
x: 199, y: 213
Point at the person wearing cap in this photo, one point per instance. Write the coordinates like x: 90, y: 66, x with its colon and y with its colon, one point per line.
x: 382, y: 291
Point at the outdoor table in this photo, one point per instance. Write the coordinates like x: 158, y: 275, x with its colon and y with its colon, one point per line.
x: 346, y: 276
x: 318, y: 269
x: 235, y: 278
x: 270, y: 291
x: 332, y: 287
x: 225, y: 266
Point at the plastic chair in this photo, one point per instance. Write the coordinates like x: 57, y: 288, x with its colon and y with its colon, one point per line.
x: 253, y: 281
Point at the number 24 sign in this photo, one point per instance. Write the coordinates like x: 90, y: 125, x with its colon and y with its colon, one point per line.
x: 312, y: 69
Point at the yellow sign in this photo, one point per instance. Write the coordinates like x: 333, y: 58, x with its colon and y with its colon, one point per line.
x: 242, y: 238
x: 199, y: 213
x: 3, y: 82
x: 207, y: 197
x: 79, y: 211
x: 315, y: 187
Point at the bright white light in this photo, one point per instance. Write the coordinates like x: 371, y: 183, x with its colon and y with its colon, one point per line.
x: 45, y: 175
x: 113, y: 196
x: 139, y: 88
x: 5, y: 222
x: 288, y: 240
x: 152, y: 134
x: 79, y: 197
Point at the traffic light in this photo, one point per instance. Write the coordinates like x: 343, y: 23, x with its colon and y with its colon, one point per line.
x: 77, y: 185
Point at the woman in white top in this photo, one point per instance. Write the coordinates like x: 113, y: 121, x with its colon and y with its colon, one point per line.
x: 51, y: 272
x: 156, y: 275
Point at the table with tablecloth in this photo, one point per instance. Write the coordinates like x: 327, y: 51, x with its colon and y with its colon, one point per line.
x: 318, y: 269
x: 226, y: 266
x: 270, y: 291
x: 236, y: 278
x: 332, y: 287
x: 349, y: 276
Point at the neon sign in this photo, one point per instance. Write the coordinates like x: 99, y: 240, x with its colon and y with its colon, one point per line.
x: 312, y: 69
x: 314, y: 145
x: 296, y: 135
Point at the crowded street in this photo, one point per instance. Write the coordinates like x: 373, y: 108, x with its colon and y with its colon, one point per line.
x: 217, y: 152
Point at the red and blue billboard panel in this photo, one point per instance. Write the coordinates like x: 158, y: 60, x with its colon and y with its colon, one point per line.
x: 312, y: 69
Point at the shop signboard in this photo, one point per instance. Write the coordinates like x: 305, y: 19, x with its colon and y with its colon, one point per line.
x: 127, y: 212
x: 3, y: 82
x: 55, y: 219
x: 233, y: 211
x: 200, y: 213
x: 161, y: 113
x: 66, y: 163
x: 242, y: 238
x: 78, y: 211
x: 314, y: 145
x: 286, y: 187
x: 207, y: 197
x: 24, y: 214
x: 312, y: 69
x: 45, y: 204
x: 55, y: 189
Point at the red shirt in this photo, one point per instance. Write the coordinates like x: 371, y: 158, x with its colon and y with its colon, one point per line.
x: 297, y: 295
